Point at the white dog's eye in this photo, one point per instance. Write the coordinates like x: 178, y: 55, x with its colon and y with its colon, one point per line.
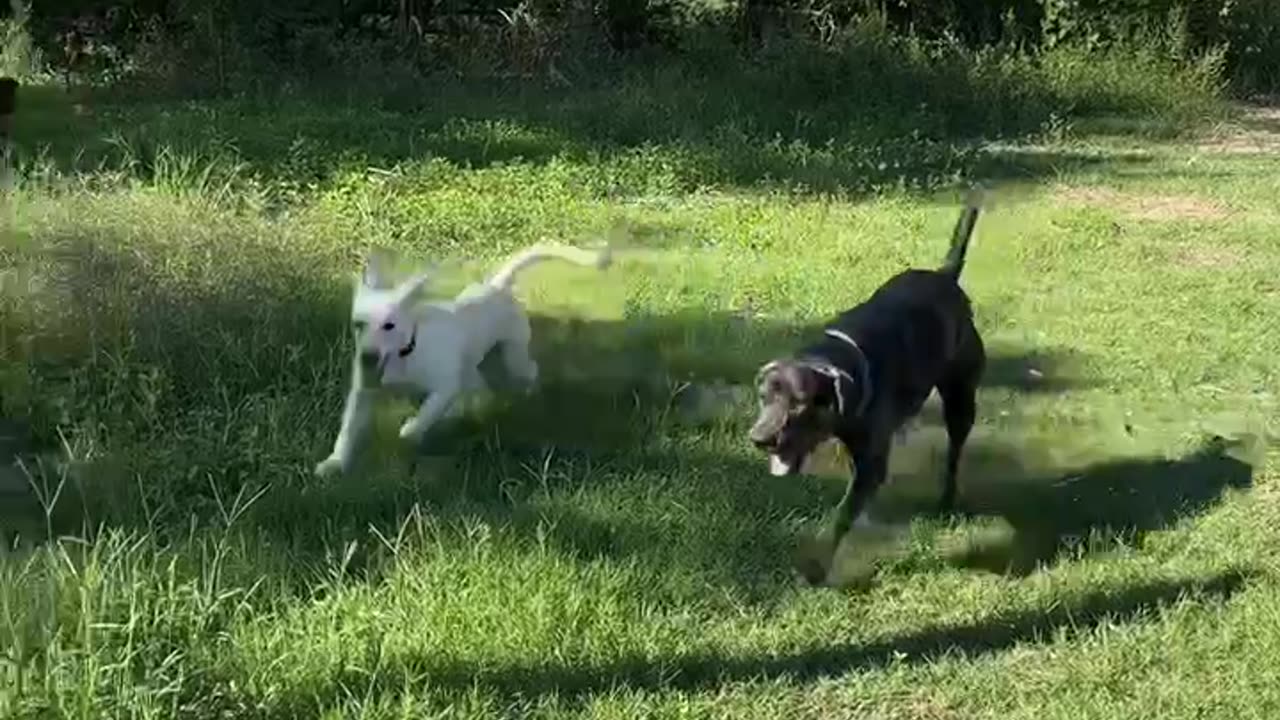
x: 388, y: 326
x: 358, y: 326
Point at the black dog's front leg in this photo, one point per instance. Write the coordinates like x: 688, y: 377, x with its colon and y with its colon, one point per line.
x: 870, y: 467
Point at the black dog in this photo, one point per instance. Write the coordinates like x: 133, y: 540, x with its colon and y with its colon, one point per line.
x: 872, y: 371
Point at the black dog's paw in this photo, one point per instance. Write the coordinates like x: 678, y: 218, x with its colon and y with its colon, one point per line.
x: 813, y: 572
x: 813, y: 559
x: 949, y: 513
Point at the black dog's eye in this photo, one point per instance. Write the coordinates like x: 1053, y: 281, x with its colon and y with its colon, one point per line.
x: 388, y: 326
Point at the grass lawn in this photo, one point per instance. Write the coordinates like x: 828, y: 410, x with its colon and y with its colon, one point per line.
x: 175, y: 289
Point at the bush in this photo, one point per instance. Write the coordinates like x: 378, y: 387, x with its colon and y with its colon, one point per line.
x: 225, y: 46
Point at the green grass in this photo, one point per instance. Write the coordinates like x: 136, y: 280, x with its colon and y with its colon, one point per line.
x: 175, y: 350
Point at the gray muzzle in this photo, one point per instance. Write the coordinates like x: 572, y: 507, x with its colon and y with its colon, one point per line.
x: 768, y: 426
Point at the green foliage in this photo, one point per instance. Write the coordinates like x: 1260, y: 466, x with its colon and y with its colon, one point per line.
x: 18, y: 57
x: 221, y: 46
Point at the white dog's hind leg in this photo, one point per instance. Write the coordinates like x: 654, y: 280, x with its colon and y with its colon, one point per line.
x: 431, y: 410
x: 472, y: 383
x: 521, y: 365
x: 355, y: 420
x: 515, y: 352
x: 473, y: 380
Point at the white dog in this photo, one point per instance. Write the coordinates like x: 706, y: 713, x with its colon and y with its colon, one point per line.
x: 435, y: 348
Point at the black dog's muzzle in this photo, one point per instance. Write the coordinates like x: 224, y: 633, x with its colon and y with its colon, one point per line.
x: 766, y: 434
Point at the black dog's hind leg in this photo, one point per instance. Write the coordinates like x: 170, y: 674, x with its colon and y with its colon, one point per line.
x: 959, y: 408
x: 959, y: 393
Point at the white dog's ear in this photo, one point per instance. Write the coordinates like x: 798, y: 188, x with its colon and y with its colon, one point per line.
x: 410, y: 288
x: 378, y: 267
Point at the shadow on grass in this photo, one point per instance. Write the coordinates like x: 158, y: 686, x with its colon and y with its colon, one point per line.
x: 579, y: 461
x: 213, y: 387
x: 1262, y: 118
x: 602, y: 467
x: 705, y: 671
x: 1099, y: 507
x: 706, y: 346
x: 755, y: 127
x: 601, y: 461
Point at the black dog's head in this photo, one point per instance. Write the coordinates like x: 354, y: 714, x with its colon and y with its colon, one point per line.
x: 798, y: 411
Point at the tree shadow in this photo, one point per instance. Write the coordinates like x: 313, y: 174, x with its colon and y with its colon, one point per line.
x: 216, y: 386
x: 745, y: 126
x: 708, y: 670
x: 1261, y: 117
x: 613, y: 412
x: 607, y: 424
x: 196, y: 360
x: 709, y: 346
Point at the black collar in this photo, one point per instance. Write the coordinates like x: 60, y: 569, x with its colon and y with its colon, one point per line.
x: 413, y: 343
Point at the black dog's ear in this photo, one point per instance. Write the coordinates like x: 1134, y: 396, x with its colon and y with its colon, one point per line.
x: 765, y: 370
x: 795, y: 381
x: 806, y: 383
x: 834, y: 389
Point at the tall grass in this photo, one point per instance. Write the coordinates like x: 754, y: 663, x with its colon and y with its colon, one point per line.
x: 18, y: 56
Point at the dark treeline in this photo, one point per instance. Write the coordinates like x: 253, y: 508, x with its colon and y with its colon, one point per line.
x: 531, y: 36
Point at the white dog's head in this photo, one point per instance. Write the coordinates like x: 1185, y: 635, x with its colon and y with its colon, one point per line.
x: 381, y: 320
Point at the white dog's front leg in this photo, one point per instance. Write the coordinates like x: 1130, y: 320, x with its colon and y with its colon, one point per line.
x: 431, y: 410
x: 355, y: 420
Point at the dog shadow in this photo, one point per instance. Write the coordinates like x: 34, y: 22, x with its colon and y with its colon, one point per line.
x: 1069, y: 513
x: 1104, y: 506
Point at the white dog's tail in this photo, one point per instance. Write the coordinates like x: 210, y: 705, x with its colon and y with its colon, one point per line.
x: 506, y: 275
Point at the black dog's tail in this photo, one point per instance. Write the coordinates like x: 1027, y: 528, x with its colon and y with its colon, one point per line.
x: 964, y: 230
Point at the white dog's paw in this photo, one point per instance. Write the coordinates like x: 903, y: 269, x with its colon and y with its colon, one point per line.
x: 330, y: 466
x: 412, y: 430
x: 528, y: 380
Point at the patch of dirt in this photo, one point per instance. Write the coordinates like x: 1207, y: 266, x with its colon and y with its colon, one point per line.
x: 1257, y: 132
x: 1164, y: 208
x: 1146, y: 206
x: 1209, y: 258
